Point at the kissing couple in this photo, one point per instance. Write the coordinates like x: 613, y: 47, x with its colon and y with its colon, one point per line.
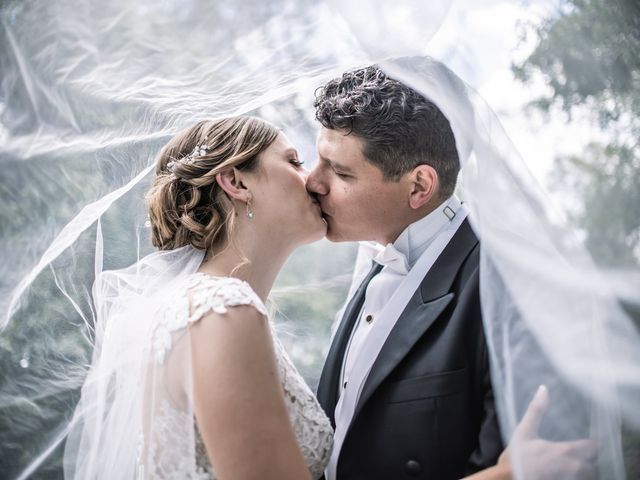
x: 188, y: 379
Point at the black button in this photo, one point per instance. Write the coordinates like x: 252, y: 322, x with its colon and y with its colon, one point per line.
x: 369, y: 318
x: 413, y: 468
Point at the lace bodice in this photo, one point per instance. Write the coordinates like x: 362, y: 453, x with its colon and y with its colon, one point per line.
x: 173, y: 448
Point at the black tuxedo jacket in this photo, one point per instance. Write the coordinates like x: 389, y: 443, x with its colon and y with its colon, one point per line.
x: 426, y: 409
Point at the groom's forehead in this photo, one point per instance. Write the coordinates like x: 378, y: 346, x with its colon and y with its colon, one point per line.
x: 333, y: 144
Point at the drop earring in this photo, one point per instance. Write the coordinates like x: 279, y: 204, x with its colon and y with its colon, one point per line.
x: 249, y: 211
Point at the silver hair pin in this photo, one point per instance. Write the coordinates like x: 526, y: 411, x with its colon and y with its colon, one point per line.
x: 197, y: 152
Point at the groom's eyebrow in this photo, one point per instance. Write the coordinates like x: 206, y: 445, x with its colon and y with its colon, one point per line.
x: 338, y: 166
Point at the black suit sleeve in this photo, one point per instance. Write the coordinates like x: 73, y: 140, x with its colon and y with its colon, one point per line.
x: 490, y: 445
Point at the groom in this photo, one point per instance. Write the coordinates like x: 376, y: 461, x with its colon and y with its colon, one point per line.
x: 406, y: 382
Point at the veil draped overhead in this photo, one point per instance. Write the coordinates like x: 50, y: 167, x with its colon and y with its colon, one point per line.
x: 90, y: 91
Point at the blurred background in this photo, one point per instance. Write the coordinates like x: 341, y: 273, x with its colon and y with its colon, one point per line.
x: 90, y: 91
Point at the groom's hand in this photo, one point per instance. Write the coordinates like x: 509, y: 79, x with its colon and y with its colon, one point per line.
x: 535, y: 458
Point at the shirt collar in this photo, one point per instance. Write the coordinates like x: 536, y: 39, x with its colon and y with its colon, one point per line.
x: 414, y: 239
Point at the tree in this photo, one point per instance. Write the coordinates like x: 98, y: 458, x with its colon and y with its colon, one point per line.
x: 588, y: 53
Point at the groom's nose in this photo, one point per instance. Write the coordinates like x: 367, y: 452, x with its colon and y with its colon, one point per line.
x: 316, y: 183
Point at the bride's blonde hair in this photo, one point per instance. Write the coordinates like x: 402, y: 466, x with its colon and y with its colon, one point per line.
x: 185, y: 203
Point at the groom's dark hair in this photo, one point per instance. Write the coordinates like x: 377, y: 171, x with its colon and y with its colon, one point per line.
x: 401, y: 129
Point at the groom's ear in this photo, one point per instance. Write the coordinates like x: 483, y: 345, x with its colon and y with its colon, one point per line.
x: 424, y: 186
x: 231, y: 182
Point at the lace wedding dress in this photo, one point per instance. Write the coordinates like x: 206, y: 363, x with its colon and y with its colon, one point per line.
x: 170, y: 445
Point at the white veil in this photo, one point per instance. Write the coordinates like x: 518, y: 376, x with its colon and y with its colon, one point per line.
x: 89, y: 93
x: 118, y: 430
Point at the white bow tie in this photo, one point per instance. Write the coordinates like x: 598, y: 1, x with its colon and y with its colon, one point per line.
x: 388, y: 256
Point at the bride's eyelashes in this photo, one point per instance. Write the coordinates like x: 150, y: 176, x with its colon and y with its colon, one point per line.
x: 296, y: 162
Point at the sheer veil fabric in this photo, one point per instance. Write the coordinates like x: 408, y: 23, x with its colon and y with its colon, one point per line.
x: 90, y: 92
x: 113, y: 434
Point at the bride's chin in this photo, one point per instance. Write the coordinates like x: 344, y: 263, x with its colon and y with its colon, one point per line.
x: 323, y: 227
x: 318, y: 231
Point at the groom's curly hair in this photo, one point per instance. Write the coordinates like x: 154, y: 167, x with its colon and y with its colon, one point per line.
x: 401, y: 129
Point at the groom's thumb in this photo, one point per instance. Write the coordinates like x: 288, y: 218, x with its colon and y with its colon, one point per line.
x: 532, y: 418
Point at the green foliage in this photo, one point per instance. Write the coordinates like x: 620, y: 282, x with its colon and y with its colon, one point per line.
x: 588, y: 53
x: 310, y: 290
x: 45, y: 331
x: 607, y: 178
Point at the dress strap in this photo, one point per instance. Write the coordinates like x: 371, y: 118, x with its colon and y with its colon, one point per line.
x: 210, y: 293
x: 202, y: 294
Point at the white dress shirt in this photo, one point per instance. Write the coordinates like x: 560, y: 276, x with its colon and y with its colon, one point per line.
x: 411, y: 244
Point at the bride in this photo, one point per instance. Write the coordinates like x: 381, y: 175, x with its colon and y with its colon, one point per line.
x: 187, y: 332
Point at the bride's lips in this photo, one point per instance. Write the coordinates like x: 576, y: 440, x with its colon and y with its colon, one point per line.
x: 315, y: 201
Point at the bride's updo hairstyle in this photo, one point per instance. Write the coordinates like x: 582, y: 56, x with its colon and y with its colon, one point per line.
x: 186, y: 205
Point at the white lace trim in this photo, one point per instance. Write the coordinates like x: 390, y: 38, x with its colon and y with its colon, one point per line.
x: 170, y: 454
x: 207, y: 294
x: 311, y: 426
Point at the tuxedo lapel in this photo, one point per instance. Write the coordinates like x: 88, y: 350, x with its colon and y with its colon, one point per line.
x: 441, y: 276
x: 328, y: 386
x: 424, y: 307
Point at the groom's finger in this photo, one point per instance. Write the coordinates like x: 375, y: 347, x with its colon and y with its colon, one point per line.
x: 532, y: 418
x: 585, y: 449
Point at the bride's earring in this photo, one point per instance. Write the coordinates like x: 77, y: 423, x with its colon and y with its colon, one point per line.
x: 249, y: 211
